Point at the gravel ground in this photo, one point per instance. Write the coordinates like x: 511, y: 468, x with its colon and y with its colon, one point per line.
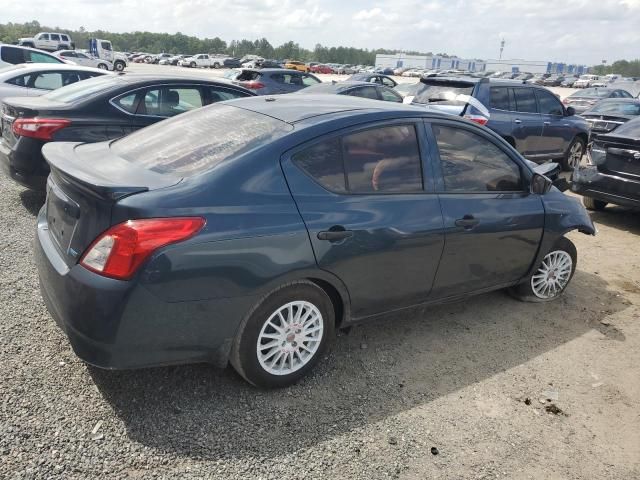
x: 456, y: 391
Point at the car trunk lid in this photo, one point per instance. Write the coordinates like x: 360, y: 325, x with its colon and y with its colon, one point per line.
x: 85, y: 184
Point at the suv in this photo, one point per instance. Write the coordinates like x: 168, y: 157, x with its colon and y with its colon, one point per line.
x: 49, y: 41
x: 200, y: 60
x: 13, y: 55
x: 529, y: 117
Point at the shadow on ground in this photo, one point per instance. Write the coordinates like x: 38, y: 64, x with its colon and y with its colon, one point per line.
x: 32, y: 200
x: 618, y: 217
x: 378, y: 370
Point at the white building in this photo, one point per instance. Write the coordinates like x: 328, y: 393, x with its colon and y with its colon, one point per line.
x: 434, y: 62
x: 401, y: 60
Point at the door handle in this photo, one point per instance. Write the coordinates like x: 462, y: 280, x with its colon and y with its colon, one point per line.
x: 518, y: 121
x: 468, y: 222
x: 335, y: 234
x: 547, y: 123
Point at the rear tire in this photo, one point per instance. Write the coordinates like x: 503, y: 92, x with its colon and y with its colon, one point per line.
x: 550, y: 279
x: 284, y: 336
x: 593, y: 204
x: 574, y: 155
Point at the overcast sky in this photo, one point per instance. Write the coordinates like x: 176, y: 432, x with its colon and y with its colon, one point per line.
x: 576, y: 31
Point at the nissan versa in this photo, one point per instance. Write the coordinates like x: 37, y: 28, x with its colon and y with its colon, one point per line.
x: 251, y: 230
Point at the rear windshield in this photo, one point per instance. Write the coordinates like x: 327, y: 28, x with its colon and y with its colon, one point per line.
x: 622, y: 108
x: 592, y: 92
x: 199, y: 140
x: 431, y: 92
x: 84, y: 89
x: 248, y: 75
x: 630, y: 129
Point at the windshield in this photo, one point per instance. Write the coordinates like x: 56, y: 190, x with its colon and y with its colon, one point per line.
x: 620, y: 108
x: 198, y: 141
x: 85, y: 89
x: 430, y: 92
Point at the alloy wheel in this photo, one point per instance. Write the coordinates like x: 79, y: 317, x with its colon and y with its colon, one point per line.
x: 290, y: 338
x: 575, y: 155
x: 553, y: 275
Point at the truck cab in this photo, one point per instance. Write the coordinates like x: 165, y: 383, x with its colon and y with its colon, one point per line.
x: 103, y: 49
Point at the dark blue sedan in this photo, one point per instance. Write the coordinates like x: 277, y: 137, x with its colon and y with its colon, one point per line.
x: 249, y: 231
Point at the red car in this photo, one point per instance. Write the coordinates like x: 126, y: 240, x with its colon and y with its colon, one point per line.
x: 321, y: 69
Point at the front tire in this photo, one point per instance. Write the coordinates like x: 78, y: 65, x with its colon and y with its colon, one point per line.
x: 118, y: 66
x: 550, y: 279
x: 574, y: 155
x: 593, y: 204
x: 284, y: 336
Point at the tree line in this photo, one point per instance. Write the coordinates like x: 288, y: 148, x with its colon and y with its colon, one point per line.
x: 180, y: 43
x: 625, y: 68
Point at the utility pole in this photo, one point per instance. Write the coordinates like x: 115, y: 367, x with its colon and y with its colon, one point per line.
x: 502, y: 42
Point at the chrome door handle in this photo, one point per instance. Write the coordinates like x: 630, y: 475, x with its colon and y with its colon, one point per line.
x: 547, y: 123
x: 518, y: 121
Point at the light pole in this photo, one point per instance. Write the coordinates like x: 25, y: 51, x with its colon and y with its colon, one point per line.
x: 502, y: 42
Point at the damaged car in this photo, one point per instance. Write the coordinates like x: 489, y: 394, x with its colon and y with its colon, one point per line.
x: 248, y: 232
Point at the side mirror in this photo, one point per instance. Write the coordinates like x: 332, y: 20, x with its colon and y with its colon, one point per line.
x: 540, y: 184
x: 571, y: 111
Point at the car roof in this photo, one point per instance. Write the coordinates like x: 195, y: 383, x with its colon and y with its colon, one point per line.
x: 295, y: 108
x: 168, y: 78
x: 273, y: 70
x: 335, y: 87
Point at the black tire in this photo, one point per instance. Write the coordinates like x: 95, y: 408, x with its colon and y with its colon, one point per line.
x: 103, y: 66
x: 244, y: 356
x: 524, y: 291
x: 118, y: 66
x: 192, y: 64
x: 593, y: 204
x: 216, y: 65
x: 569, y: 162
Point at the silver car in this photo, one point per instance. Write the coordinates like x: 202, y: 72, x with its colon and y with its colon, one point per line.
x: 84, y: 59
x: 32, y: 80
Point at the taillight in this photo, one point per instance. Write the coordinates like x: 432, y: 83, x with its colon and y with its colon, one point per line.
x: 118, y: 252
x: 253, y: 85
x: 479, y: 119
x: 40, y: 128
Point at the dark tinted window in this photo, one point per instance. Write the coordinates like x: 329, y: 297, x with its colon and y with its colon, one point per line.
x: 525, y: 100
x: 12, y: 55
x: 624, y: 94
x: 549, y: 103
x: 470, y: 163
x: 199, y: 140
x: 220, y: 94
x: 20, y: 81
x: 385, y: 159
x: 323, y: 162
x: 500, y: 98
x: 364, y: 92
x: 105, y: 45
x: 55, y: 37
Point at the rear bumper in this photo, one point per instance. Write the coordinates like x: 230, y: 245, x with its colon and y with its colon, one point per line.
x: 117, y: 324
x: 590, y: 182
x: 24, y: 163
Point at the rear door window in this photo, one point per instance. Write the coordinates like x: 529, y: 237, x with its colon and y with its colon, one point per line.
x: 170, y: 101
x: 471, y: 163
x: 46, y: 81
x: 55, y: 37
x: 217, y: 94
x: 549, y: 104
x: 500, y: 98
x: 525, y: 100
x: 377, y: 160
x: 389, y: 95
x: 364, y: 92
